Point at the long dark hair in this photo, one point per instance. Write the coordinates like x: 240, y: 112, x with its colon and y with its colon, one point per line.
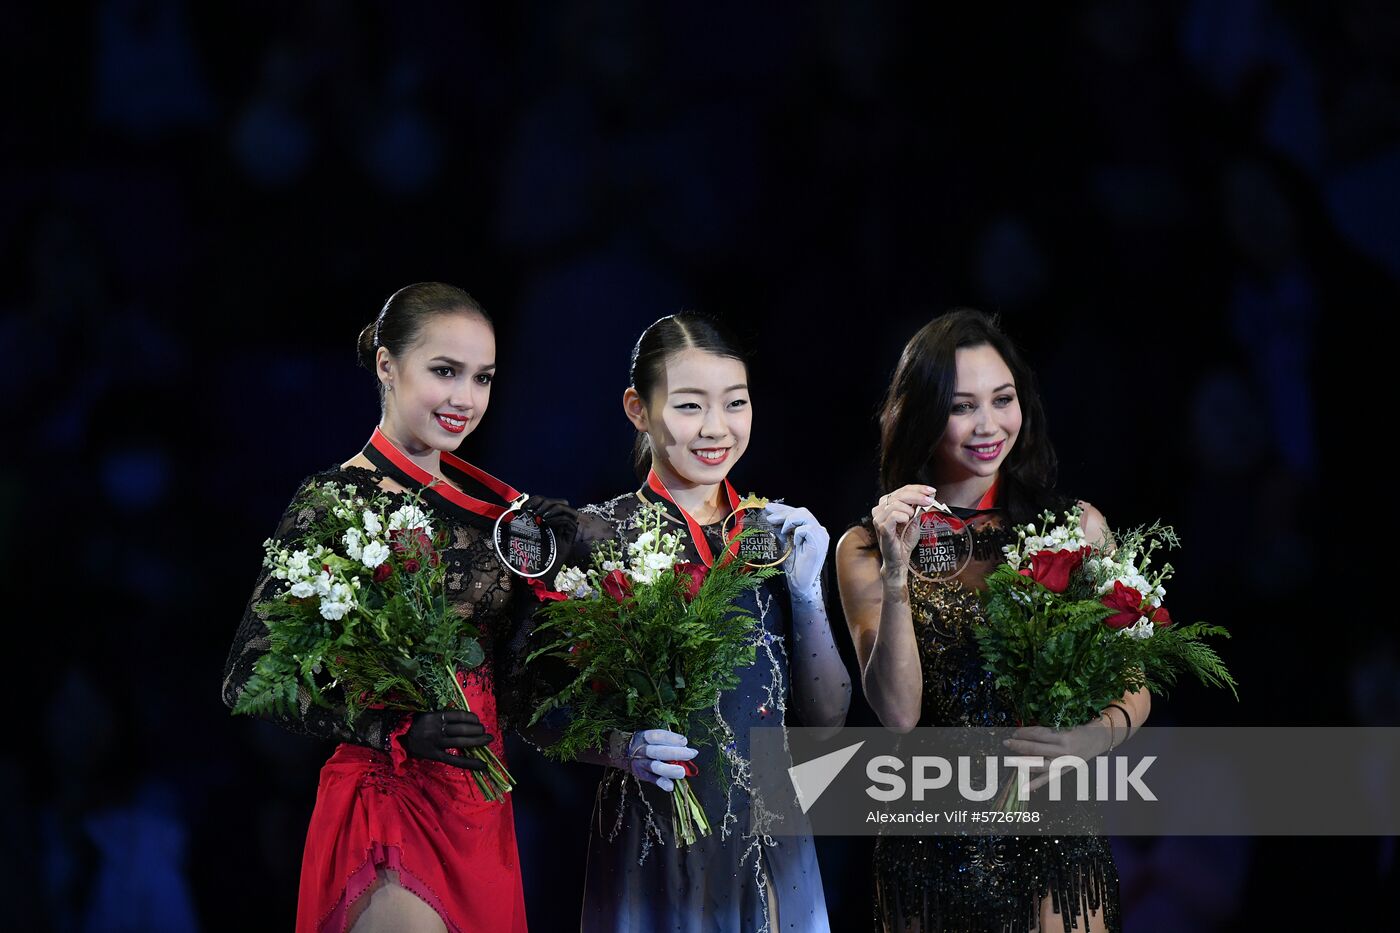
x: 915, y: 411
x: 684, y: 330
x: 403, y: 316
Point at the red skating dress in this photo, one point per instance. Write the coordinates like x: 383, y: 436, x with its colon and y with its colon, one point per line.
x: 380, y: 810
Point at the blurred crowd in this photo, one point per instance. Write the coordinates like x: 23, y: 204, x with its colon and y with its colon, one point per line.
x: 1187, y: 213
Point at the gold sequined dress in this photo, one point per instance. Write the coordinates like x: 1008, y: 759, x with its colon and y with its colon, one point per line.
x: 981, y: 883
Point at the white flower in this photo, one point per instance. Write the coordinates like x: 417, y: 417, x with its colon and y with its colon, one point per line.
x: 409, y: 516
x: 610, y: 565
x: 353, y: 543
x: 372, y: 524
x: 302, y: 590
x: 1142, y: 628
x: 573, y: 582
x: 338, y: 602
x: 374, y: 554
x: 656, y: 563
x: 323, y: 584
x: 298, y: 566
x: 643, y: 543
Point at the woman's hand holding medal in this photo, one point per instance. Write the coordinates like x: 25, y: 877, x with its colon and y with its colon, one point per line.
x: 893, y: 518
x: 810, y: 542
x: 532, y: 533
x: 558, y: 515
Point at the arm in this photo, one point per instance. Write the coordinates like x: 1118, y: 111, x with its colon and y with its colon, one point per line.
x: 820, y: 682
x: 1136, y: 704
x: 821, y: 685
x: 876, y: 604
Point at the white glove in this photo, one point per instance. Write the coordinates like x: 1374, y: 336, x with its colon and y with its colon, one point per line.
x: 809, y: 546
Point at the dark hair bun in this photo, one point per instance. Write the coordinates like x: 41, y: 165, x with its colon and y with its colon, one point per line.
x: 367, y: 349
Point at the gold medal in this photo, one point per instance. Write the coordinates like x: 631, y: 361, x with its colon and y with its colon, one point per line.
x: 762, y: 544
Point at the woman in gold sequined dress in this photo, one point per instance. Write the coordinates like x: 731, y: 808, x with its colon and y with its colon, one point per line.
x: 962, y: 423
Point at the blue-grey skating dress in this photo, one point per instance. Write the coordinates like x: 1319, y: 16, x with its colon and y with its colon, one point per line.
x: 720, y: 883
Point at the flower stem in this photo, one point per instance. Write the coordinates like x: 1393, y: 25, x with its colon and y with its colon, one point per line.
x: 688, y: 819
x: 497, y: 781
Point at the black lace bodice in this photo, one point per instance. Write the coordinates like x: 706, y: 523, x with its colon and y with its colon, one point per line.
x: 975, y: 882
x: 478, y: 585
x: 957, y: 690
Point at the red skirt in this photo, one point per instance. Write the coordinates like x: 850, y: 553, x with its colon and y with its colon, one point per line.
x: 424, y: 820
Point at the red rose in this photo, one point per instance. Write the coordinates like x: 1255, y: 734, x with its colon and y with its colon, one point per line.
x: 691, y: 576
x: 383, y: 572
x: 1051, y: 569
x: 1161, y: 617
x: 616, y: 585
x: 414, y: 541
x: 411, y: 565
x: 1125, y: 601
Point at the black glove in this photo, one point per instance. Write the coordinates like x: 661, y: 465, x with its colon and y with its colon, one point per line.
x: 432, y: 734
x: 559, y: 516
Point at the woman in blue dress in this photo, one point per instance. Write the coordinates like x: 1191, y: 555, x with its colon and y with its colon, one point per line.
x: 690, y: 402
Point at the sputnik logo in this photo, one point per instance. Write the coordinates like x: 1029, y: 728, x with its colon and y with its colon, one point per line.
x: 811, y: 778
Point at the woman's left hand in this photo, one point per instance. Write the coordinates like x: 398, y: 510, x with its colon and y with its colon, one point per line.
x: 559, y: 516
x: 1087, y: 742
x: 809, y: 545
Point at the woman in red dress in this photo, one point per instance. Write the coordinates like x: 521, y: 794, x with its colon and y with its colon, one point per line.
x: 400, y: 838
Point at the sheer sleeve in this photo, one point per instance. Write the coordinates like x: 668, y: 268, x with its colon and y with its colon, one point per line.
x: 372, y: 728
x: 531, y: 684
x: 594, y: 525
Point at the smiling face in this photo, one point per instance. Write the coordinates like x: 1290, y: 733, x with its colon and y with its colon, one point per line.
x: 441, y: 385
x: 698, y: 417
x: 984, y: 420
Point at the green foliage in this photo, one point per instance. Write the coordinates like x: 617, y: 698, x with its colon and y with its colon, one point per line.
x: 1059, y: 664
x: 394, y: 648
x: 652, y: 658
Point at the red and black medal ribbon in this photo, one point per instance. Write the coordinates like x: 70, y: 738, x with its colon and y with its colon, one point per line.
x: 697, y: 534
x: 396, y: 464
x: 989, y: 498
x: 984, y: 504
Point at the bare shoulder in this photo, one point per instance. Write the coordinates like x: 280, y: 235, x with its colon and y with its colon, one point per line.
x: 855, y: 545
x: 360, y: 460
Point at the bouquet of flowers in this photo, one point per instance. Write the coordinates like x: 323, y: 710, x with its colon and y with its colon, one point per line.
x: 366, y: 606
x: 648, y: 638
x: 1072, y: 627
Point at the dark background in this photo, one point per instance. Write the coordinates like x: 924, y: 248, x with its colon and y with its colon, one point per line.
x: 1186, y: 213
